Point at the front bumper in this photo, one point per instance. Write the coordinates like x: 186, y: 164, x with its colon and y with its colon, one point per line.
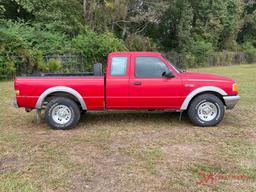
x: 231, y: 101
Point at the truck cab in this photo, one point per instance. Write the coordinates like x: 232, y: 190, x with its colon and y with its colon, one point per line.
x: 142, y: 80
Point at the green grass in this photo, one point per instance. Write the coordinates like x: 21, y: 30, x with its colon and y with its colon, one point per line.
x: 15, y: 182
x: 130, y: 151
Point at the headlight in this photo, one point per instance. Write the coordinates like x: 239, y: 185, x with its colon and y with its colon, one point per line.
x: 235, y: 88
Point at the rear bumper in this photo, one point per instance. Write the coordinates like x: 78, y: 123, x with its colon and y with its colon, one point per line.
x: 231, y: 101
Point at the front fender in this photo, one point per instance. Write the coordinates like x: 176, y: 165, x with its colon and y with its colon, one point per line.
x: 199, y: 90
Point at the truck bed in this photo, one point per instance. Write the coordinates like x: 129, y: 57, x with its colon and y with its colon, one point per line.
x: 66, y: 74
x: 91, y: 88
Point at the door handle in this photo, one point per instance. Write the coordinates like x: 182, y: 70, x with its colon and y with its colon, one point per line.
x: 136, y: 83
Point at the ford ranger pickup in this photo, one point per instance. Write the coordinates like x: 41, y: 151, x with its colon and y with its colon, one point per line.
x: 133, y: 81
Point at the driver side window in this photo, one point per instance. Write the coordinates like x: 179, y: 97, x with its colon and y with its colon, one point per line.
x: 146, y: 67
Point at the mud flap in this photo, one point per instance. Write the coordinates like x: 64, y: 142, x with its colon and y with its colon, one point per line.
x: 38, y: 116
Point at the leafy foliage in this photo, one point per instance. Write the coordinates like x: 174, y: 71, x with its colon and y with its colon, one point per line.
x: 140, y: 43
x: 94, y: 47
x: 22, y: 46
x: 199, y: 51
x: 52, y: 65
x: 250, y: 51
x: 198, y: 30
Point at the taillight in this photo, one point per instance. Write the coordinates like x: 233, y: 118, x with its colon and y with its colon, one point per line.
x: 17, y: 92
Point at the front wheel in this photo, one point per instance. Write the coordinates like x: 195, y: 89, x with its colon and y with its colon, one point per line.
x: 62, y: 113
x: 206, y: 110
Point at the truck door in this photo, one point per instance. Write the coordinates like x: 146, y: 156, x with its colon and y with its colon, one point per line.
x: 117, y: 81
x: 148, y: 88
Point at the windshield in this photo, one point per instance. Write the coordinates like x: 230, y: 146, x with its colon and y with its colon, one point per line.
x: 179, y: 70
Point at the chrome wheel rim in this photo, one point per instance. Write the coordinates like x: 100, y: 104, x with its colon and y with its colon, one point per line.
x: 61, y: 114
x: 207, y: 111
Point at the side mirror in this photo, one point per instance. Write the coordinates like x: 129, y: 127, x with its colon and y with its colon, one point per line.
x: 168, y: 74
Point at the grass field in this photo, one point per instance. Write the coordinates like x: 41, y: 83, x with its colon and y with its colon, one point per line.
x: 131, y: 151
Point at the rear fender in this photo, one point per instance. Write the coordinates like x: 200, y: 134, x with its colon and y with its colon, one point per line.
x: 64, y: 89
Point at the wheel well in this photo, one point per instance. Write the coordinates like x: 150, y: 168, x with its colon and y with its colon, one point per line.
x: 208, y: 92
x: 61, y: 94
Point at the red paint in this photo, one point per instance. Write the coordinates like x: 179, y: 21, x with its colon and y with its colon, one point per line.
x: 121, y: 93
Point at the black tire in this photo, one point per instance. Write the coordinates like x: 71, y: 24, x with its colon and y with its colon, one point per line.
x: 212, y: 103
x: 72, y: 113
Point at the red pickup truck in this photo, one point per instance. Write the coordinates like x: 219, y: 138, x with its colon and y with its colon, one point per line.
x: 133, y: 81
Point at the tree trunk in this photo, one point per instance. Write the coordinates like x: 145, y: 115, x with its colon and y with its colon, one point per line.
x: 124, y: 32
x: 84, y: 7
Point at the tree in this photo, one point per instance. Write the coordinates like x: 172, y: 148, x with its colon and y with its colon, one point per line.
x: 248, y: 30
x: 215, y: 21
x: 60, y: 15
x: 123, y: 17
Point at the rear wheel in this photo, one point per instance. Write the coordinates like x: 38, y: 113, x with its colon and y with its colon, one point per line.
x: 206, y: 110
x: 62, y: 113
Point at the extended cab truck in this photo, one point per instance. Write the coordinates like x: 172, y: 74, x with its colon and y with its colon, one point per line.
x: 133, y: 81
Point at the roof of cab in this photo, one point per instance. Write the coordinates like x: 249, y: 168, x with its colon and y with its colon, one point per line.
x: 135, y: 53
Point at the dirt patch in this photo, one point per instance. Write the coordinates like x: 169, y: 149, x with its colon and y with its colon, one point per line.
x: 252, y: 137
x: 147, y: 137
x: 10, y: 164
x: 184, y: 154
x: 249, y: 163
x: 101, y: 170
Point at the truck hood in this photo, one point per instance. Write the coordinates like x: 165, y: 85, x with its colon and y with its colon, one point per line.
x: 204, y: 76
